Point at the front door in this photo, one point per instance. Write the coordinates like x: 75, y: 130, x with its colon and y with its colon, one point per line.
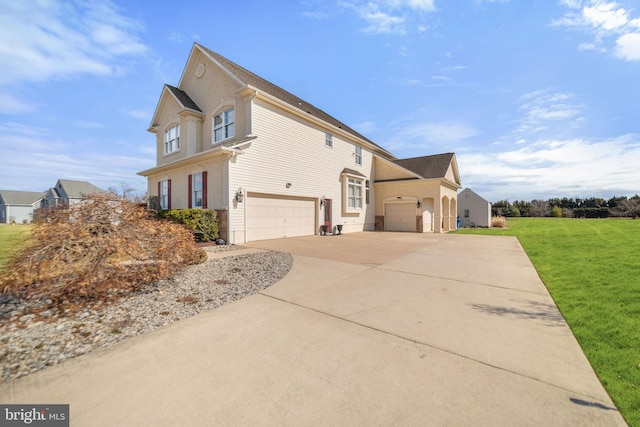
x: 327, y: 214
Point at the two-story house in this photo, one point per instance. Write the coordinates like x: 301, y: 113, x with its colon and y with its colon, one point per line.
x: 275, y: 166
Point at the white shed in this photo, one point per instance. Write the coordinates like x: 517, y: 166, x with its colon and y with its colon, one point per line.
x: 473, y: 210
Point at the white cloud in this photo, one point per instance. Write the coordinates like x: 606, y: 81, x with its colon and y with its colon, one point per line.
x: 605, y: 21
x: 138, y: 114
x: 543, y: 106
x: 11, y: 105
x: 52, y: 39
x: 556, y: 168
x: 628, y: 47
x: 390, y: 16
x: 414, y: 136
x: 366, y: 128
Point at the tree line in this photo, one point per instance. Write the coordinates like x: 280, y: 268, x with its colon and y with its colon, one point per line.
x: 593, y: 207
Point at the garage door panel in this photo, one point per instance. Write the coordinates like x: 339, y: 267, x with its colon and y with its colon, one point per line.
x: 276, y: 217
x: 400, y: 217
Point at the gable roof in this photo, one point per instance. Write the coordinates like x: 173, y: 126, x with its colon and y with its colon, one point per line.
x: 469, y: 192
x: 435, y: 166
x: 184, y: 99
x: 251, y: 79
x: 10, y: 197
x: 75, y: 189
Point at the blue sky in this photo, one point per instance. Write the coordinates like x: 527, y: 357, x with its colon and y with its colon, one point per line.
x: 537, y: 99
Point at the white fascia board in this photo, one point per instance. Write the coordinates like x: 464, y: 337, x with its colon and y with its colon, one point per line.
x: 398, y: 167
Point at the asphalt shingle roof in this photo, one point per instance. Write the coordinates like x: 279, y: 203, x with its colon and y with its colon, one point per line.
x: 77, y: 189
x: 10, y: 197
x: 184, y: 99
x: 435, y: 166
x: 258, y: 82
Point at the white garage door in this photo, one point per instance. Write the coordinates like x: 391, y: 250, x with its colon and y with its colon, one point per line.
x: 400, y: 217
x: 272, y: 217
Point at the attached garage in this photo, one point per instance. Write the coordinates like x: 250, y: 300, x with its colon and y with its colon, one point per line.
x: 274, y: 217
x: 400, y: 216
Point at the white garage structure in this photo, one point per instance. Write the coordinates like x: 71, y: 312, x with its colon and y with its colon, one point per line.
x: 275, y: 217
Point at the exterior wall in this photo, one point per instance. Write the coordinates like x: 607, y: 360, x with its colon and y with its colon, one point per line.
x: 217, y: 188
x: 289, y: 150
x: 19, y: 214
x: 479, y: 209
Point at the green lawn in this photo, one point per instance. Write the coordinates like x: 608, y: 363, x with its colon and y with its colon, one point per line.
x: 592, y: 270
x: 11, y: 239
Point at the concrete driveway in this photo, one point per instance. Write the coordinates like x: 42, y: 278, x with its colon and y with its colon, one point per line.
x: 366, y: 329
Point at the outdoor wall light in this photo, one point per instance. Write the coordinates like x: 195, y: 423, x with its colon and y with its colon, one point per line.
x: 418, y: 204
x: 322, y: 201
x: 288, y: 185
x: 240, y: 195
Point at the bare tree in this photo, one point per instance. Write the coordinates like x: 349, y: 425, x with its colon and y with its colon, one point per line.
x: 538, y: 208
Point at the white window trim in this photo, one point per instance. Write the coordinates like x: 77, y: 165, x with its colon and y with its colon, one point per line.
x: 164, y: 194
x: 165, y: 143
x: 356, y: 182
x: 194, y: 191
x: 224, y: 126
x: 328, y: 140
x: 358, y: 155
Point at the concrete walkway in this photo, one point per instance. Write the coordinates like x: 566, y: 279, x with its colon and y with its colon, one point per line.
x: 367, y: 329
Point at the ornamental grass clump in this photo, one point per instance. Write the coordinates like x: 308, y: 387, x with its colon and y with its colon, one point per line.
x: 498, y: 222
x: 101, y: 247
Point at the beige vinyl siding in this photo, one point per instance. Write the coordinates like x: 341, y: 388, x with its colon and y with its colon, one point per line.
x: 217, y: 194
x: 289, y: 150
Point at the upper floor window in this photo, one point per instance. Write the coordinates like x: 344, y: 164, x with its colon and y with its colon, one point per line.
x: 328, y: 139
x: 172, y: 139
x: 224, y: 125
x: 358, y: 155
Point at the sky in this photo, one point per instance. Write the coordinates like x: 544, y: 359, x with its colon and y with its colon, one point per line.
x: 537, y: 98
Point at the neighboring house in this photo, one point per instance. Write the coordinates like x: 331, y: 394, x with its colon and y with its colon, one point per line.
x: 18, y: 206
x: 68, y: 192
x: 473, y: 210
x: 275, y: 166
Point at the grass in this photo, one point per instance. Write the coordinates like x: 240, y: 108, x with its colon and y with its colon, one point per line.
x: 12, y: 238
x: 592, y: 270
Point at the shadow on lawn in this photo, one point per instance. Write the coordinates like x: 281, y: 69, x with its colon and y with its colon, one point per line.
x: 527, y: 310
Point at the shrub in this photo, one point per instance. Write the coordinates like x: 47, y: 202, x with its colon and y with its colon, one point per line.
x: 203, y: 223
x: 102, y: 246
x: 556, y: 212
x: 498, y: 222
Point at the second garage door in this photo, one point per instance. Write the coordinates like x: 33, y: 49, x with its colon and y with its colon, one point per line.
x: 273, y: 217
x: 400, y: 217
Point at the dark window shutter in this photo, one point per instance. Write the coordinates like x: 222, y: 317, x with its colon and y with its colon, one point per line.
x: 169, y: 196
x: 204, y: 190
x: 159, y: 189
x: 190, y: 189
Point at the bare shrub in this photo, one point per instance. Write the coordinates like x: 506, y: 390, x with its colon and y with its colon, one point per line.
x: 101, y: 247
x: 498, y: 222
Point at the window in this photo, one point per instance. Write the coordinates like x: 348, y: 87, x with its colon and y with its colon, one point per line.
x: 198, y: 190
x: 466, y: 213
x: 224, y: 125
x: 328, y: 139
x: 354, y: 193
x: 172, y: 139
x: 164, y: 194
x: 358, y: 155
x: 366, y: 191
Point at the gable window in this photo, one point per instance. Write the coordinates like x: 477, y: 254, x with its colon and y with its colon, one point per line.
x: 164, y: 194
x: 358, y: 155
x: 354, y: 193
x: 224, y: 125
x: 466, y: 213
x: 198, y: 190
x: 328, y: 140
x: 172, y: 139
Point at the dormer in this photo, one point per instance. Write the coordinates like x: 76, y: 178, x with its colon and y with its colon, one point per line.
x: 177, y: 123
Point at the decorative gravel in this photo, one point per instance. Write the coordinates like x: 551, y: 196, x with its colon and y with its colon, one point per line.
x: 31, y: 342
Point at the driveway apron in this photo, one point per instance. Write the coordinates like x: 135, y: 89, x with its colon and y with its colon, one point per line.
x: 366, y: 329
